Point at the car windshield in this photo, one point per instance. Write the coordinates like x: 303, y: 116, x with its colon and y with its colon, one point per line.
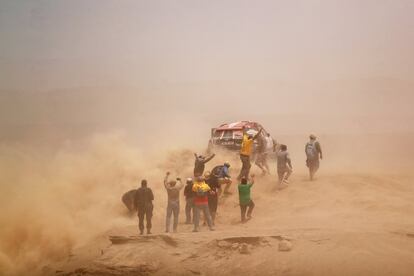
x: 228, y: 134
x: 217, y: 134
x: 238, y: 133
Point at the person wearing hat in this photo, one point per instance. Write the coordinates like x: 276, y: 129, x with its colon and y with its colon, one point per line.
x: 200, y: 162
x: 313, y: 153
x: 173, y: 207
x: 189, y: 201
x: 221, y: 173
x: 143, y: 204
x: 201, y: 190
x: 246, y: 151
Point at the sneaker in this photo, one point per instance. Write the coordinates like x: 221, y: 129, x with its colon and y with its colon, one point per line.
x: 149, y: 232
x: 141, y: 232
x: 195, y: 230
x: 212, y: 229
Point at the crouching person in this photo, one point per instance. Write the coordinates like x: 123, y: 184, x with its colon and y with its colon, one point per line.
x: 201, y: 190
x: 221, y: 173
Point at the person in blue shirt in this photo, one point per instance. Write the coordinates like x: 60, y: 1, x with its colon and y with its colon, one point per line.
x: 221, y: 172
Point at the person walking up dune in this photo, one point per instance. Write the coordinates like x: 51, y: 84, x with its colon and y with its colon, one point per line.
x: 270, y: 148
x: 143, y: 204
x: 246, y: 152
x: 261, y: 155
x: 284, y: 165
x: 313, y: 152
x: 173, y: 207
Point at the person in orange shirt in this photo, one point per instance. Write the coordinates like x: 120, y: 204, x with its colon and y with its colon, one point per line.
x: 246, y: 152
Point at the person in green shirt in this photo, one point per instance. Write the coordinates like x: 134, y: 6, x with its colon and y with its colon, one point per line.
x: 246, y: 203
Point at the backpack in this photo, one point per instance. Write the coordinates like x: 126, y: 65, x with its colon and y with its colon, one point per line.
x: 217, y: 171
x: 311, y: 150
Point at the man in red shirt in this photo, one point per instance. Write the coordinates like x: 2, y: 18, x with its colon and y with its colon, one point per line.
x: 201, y: 190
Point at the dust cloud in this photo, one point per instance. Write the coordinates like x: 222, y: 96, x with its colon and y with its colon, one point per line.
x: 53, y: 201
x: 64, y: 172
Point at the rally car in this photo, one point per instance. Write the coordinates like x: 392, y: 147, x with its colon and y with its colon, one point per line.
x: 230, y: 136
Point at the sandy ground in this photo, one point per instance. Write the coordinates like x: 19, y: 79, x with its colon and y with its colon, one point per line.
x: 340, y: 224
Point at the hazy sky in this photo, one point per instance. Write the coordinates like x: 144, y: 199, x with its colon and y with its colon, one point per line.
x: 54, y: 44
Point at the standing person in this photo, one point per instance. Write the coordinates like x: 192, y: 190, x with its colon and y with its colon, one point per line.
x: 284, y: 165
x: 246, y: 152
x: 200, y: 162
x: 221, y: 173
x: 313, y: 152
x: 189, y: 201
x: 173, y: 207
x: 213, y: 183
x: 270, y: 148
x: 143, y: 203
x: 244, y: 198
x: 261, y: 154
x: 201, y: 190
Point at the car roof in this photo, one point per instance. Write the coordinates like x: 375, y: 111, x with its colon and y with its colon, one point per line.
x: 237, y: 125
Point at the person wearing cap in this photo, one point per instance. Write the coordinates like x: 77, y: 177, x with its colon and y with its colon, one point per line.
x: 221, y: 173
x: 284, y: 165
x: 201, y: 190
x: 189, y: 201
x: 246, y: 203
x: 313, y: 153
x: 143, y: 204
x: 246, y: 151
x: 200, y: 162
x: 173, y: 207
x: 214, y: 185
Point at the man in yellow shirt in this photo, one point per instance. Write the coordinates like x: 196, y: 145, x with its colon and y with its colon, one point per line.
x: 246, y: 152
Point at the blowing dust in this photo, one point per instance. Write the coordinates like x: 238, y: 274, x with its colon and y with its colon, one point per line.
x: 52, y: 202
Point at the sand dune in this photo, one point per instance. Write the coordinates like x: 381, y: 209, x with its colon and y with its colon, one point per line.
x: 341, y: 224
x: 60, y: 208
